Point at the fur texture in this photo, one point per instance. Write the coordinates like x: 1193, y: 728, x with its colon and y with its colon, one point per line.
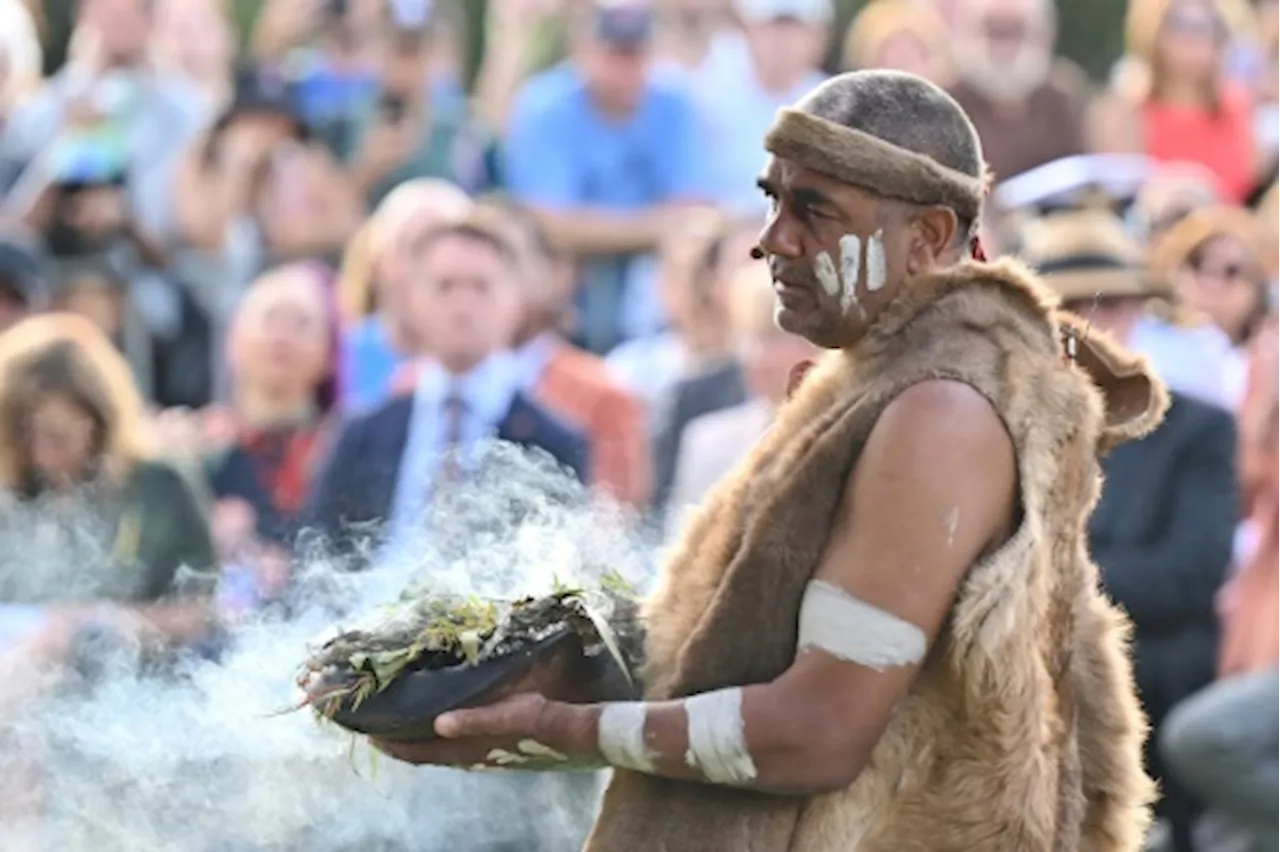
x: 865, y: 161
x: 1023, y: 732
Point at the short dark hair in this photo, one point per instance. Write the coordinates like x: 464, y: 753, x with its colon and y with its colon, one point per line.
x: 906, y: 111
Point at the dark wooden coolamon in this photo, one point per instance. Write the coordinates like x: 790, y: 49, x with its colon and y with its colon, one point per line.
x: 555, y: 666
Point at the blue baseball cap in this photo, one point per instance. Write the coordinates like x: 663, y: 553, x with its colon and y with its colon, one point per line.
x: 625, y: 24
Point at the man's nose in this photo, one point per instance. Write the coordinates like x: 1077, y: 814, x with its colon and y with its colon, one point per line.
x: 780, y: 237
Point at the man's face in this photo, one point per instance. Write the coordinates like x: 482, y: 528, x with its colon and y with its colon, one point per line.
x: 1192, y: 38
x: 1005, y: 47
x: 465, y: 302
x: 615, y: 73
x: 124, y: 26
x: 836, y: 253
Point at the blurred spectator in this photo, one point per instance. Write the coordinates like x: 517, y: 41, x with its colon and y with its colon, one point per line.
x: 195, y: 39
x: 402, y: 134
x: 108, y: 116
x: 1213, y: 259
x: 1162, y: 530
x: 786, y: 41
x: 104, y: 521
x: 387, y: 465
x: 701, y: 373
x: 1027, y: 104
x: 714, y: 444
x: 691, y: 288
x: 1170, y: 194
x: 903, y: 35
x: 1266, y: 91
x: 516, y: 32
x: 23, y: 273
x: 378, y: 270
x: 221, y: 240
x: 329, y: 52
x: 601, y: 149
x: 284, y: 383
x: 570, y: 382
x: 1173, y: 103
x: 1222, y: 741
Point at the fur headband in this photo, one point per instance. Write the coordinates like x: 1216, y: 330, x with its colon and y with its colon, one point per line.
x: 865, y: 161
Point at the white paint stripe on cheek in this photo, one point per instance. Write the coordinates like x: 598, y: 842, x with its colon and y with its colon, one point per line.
x: 717, y: 737
x: 877, y: 272
x: 621, y: 736
x: 825, y: 268
x: 850, y: 270
x: 848, y: 629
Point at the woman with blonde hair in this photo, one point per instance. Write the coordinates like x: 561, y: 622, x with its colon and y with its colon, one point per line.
x: 1171, y: 99
x: 901, y: 35
x: 89, y: 518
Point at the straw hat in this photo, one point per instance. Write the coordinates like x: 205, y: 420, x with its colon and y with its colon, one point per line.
x: 1086, y: 254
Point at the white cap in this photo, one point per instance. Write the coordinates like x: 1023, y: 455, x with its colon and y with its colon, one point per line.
x: 806, y: 11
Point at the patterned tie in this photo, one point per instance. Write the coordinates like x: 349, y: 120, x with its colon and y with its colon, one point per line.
x: 455, y: 412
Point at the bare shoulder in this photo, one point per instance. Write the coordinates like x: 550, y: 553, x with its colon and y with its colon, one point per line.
x: 941, y: 451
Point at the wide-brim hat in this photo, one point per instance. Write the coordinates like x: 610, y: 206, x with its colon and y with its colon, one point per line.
x: 1087, y: 254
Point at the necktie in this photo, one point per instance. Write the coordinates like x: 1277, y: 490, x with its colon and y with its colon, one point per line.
x: 455, y: 411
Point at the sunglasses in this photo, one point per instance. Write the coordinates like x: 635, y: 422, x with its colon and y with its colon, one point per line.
x: 1231, y: 273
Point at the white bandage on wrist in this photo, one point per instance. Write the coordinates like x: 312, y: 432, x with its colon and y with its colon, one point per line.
x: 621, y: 736
x: 717, y: 737
x: 836, y: 622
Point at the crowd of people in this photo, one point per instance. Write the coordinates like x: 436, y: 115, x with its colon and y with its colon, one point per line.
x: 254, y: 293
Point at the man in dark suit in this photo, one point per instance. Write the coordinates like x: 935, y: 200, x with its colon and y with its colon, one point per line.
x: 1162, y: 530
x: 389, y: 466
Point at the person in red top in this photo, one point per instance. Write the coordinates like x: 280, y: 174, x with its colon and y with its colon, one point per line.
x: 1171, y: 100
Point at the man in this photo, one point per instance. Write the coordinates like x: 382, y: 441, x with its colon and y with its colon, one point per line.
x: 389, y: 464
x: 380, y: 348
x: 601, y: 149
x: 785, y: 44
x: 1028, y: 105
x: 883, y: 632
x: 1162, y: 532
x: 570, y: 382
x: 401, y: 134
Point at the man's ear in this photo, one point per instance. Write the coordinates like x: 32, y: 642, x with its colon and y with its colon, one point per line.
x: 933, y: 233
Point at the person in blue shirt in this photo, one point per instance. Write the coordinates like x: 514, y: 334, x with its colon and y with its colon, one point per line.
x: 601, y: 148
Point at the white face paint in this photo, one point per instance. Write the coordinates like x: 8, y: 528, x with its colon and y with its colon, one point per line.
x: 850, y: 270
x: 717, y: 737
x: 621, y: 736
x: 825, y: 268
x: 876, y: 269
x: 834, y: 621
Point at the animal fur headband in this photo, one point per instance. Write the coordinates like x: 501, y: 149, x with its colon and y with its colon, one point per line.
x: 866, y: 161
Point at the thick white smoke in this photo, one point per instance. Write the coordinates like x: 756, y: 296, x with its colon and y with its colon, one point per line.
x: 194, y: 762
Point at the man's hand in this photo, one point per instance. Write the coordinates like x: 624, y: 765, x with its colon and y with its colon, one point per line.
x: 508, y: 734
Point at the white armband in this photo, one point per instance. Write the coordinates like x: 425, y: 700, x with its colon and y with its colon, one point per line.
x: 834, y: 621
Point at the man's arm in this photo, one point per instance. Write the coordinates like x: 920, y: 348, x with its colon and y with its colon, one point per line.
x: 935, y: 488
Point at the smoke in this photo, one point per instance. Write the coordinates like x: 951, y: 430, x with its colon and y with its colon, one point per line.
x: 191, y: 760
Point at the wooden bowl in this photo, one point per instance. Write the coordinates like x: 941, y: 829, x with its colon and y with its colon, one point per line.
x: 406, y: 710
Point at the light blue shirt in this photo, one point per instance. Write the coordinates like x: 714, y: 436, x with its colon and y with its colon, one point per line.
x: 486, y: 392
x: 563, y: 153
x: 369, y: 364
